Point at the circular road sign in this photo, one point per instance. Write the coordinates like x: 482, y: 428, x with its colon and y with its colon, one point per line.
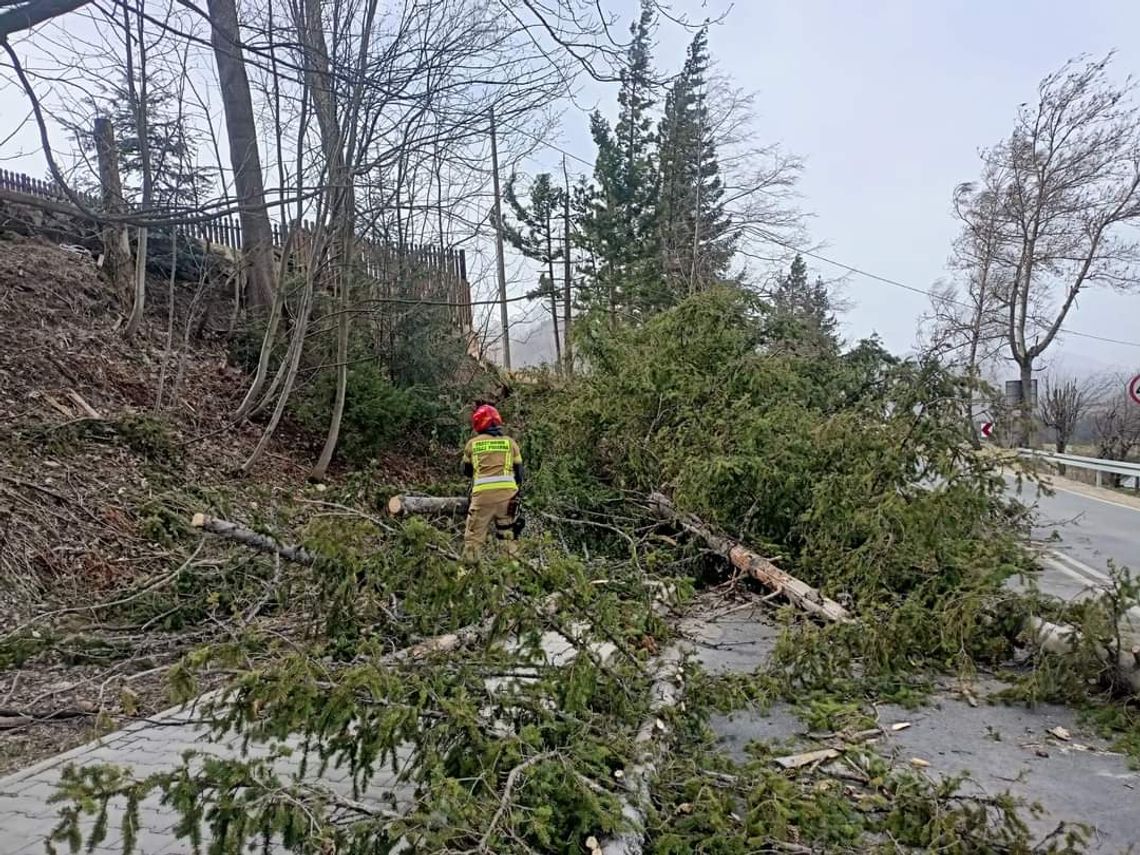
x: 1134, y: 389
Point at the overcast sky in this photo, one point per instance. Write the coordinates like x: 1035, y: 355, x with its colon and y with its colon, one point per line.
x: 889, y: 101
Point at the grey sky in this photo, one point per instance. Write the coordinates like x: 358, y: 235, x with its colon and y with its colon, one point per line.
x: 888, y: 101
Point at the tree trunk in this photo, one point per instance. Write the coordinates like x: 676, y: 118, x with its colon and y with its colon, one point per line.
x: 1025, y: 410
x: 1061, y: 640
x: 568, y: 348
x: 398, y: 505
x: 800, y: 594
x: 500, y: 264
x: 341, y: 205
x: 252, y: 539
x: 116, y: 245
x: 241, y: 130
x: 650, y: 741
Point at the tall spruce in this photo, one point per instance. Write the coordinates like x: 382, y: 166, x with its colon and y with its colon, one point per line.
x: 537, y: 236
x: 801, y: 318
x: 695, y: 235
x: 620, y: 230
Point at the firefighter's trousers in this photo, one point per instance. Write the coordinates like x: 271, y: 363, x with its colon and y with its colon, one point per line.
x: 491, y: 508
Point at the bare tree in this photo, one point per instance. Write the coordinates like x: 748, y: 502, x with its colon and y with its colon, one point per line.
x: 964, y: 326
x: 257, y: 235
x: 1067, y: 183
x: 1116, y: 425
x: 1064, y: 403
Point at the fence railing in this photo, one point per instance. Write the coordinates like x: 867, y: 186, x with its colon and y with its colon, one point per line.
x: 1095, y: 464
x: 420, y: 271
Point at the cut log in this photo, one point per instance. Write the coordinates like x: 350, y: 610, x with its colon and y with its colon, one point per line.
x: 799, y: 593
x: 1059, y: 640
x: 252, y: 539
x: 651, y: 741
x: 398, y: 505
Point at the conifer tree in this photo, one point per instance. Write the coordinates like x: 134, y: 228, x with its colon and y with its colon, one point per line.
x: 802, y: 318
x: 537, y: 236
x: 619, y: 228
x: 695, y: 234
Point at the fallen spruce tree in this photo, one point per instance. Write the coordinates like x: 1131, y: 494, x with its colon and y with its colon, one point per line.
x: 820, y: 462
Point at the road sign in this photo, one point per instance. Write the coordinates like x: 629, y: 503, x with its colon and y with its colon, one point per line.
x: 1134, y: 389
x: 987, y: 429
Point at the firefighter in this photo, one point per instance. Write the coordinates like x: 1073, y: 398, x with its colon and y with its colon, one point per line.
x: 493, y: 462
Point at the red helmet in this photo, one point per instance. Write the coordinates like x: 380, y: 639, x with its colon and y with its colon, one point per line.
x: 485, y: 416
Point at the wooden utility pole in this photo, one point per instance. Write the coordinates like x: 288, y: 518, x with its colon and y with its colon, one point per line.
x: 116, y: 245
x: 499, y: 261
x: 568, y: 349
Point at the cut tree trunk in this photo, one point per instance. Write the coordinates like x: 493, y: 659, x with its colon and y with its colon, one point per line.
x: 1060, y: 640
x: 250, y: 538
x: 651, y: 742
x: 800, y: 594
x: 398, y: 505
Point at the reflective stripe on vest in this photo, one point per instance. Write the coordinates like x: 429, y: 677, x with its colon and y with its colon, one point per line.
x: 494, y: 482
x: 506, y: 481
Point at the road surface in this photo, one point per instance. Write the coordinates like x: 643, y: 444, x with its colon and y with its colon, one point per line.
x: 1081, y: 529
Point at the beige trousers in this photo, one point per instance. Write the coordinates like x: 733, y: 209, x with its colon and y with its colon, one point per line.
x: 489, y: 509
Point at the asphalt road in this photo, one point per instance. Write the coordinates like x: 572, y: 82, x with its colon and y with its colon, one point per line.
x: 1080, y: 534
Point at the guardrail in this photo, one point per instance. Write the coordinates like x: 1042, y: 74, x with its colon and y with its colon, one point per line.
x: 1097, y: 464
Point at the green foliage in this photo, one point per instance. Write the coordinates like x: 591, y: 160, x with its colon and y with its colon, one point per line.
x: 618, y: 211
x: 801, y: 320
x: 704, y: 802
x: 851, y: 467
x: 696, y: 236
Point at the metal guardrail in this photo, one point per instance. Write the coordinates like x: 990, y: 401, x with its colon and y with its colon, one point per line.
x: 1097, y: 464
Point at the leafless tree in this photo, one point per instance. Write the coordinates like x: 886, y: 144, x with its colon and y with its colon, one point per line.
x: 1067, y: 185
x: 1116, y: 424
x: 1064, y: 403
x: 241, y: 130
x: 964, y: 327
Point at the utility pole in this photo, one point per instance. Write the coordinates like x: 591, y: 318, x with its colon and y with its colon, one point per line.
x: 500, y: 263
x: 567, y: 350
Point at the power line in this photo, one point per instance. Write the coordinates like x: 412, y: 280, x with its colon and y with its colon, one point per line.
x: 925, y: 292
x: 886, y: 280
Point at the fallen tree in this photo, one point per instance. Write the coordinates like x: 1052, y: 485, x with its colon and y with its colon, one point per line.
x: 651, y: 741
x: 402, y: 505
x: 252, y: 539
x: 1061, y: 640
x: 799, y: 593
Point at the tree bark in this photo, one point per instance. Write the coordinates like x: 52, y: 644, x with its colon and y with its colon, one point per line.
x: 1060, y: 640
x: 799, y: 593
x: 401, y: 505
x: 241, y: 131
x: 250, y: 538
x: 568, y: 348
x: 650, y: 741
x: 500, y: 263
x: 116, y: 245
x: 1025, y: 412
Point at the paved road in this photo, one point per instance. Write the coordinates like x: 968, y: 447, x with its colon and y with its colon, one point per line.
x: 1081, y: 533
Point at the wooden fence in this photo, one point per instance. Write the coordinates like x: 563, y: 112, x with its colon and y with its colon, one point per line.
x: 402, y: 271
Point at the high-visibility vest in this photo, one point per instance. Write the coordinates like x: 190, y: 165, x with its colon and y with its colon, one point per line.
x: 504, y: 480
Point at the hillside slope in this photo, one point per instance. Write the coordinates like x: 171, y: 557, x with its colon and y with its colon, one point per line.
x: 96, y: 485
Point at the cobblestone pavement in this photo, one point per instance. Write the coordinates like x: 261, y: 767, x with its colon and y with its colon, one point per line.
x: 155, y: 745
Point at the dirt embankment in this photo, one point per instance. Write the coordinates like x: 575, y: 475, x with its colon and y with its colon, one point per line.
x: 97, y: 479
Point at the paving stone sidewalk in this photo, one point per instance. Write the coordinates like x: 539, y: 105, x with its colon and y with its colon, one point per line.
x: 147, y: 747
